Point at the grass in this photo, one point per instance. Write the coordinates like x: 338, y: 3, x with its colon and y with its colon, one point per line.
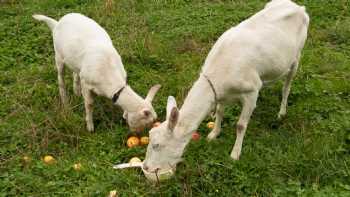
x: 166, y: 42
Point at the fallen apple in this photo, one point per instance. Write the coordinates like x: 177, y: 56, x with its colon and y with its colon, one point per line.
x: 48, y: 159
x: 77, y: 166
x: 135, y: 160
x: 210, y: 125
x: 195, y: 136
x: 133, y: 141
x: 144, y: 140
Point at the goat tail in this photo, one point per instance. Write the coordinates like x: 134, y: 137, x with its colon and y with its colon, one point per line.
x: 49, y: 21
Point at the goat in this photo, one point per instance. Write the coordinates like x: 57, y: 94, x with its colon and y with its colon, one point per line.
x: 86, y: 48
x: 263, y: 48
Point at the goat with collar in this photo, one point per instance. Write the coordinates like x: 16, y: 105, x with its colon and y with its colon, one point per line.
x: 86, y: 48
x: 263, y: 48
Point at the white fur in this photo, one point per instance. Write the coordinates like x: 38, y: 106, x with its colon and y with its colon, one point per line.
x: 263, y: 48
x: 87, y: 50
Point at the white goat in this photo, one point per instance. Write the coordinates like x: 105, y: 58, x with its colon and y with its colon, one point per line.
x: 87, y: 50
x: 263, y: 48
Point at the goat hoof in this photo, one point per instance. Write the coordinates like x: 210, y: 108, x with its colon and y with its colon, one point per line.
x: 90, y: 128
x: 235, y: 156
x: 77, y: 92
x: 65, y: 103
x: 281, y: 116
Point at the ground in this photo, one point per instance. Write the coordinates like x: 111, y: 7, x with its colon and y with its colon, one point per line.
x: 305, y: 154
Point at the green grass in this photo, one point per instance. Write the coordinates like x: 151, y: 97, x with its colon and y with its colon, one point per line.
x: 166, y: 42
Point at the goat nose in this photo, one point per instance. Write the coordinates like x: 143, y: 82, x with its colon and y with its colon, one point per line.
x: 139, y: 130
x: 145, y: 167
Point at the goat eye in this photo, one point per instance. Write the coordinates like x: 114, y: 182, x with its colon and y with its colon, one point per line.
x: 155, y: 146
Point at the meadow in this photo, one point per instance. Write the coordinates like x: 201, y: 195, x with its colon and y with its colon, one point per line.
x: 162, y: 41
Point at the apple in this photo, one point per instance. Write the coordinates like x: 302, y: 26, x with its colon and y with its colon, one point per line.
x: 133, y: 141
x: 195, y: 136
x: 48, y: 159
x: 210, y: 125
x: 77, y: 166
x: 135, y: 160
x: 144, y: 140
x: 113, y: 193
x: 27, y: 159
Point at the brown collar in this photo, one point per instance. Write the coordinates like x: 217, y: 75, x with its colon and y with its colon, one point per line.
x: 117, y: 94
x: 213, y: 89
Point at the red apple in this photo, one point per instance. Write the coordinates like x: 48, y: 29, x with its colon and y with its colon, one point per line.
x: 196, y: 136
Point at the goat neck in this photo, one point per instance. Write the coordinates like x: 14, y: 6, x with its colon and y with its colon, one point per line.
x: 197, y: 105
x: 129, y: 100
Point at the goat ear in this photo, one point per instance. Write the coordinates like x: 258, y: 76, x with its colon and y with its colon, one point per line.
x: 173, y: 117
x: 125, y: 115
x: 171, y: 103
x: 152, y: 92
x: 146, y: 112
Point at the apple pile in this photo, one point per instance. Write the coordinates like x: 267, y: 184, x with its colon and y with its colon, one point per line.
x: 134, y: 140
